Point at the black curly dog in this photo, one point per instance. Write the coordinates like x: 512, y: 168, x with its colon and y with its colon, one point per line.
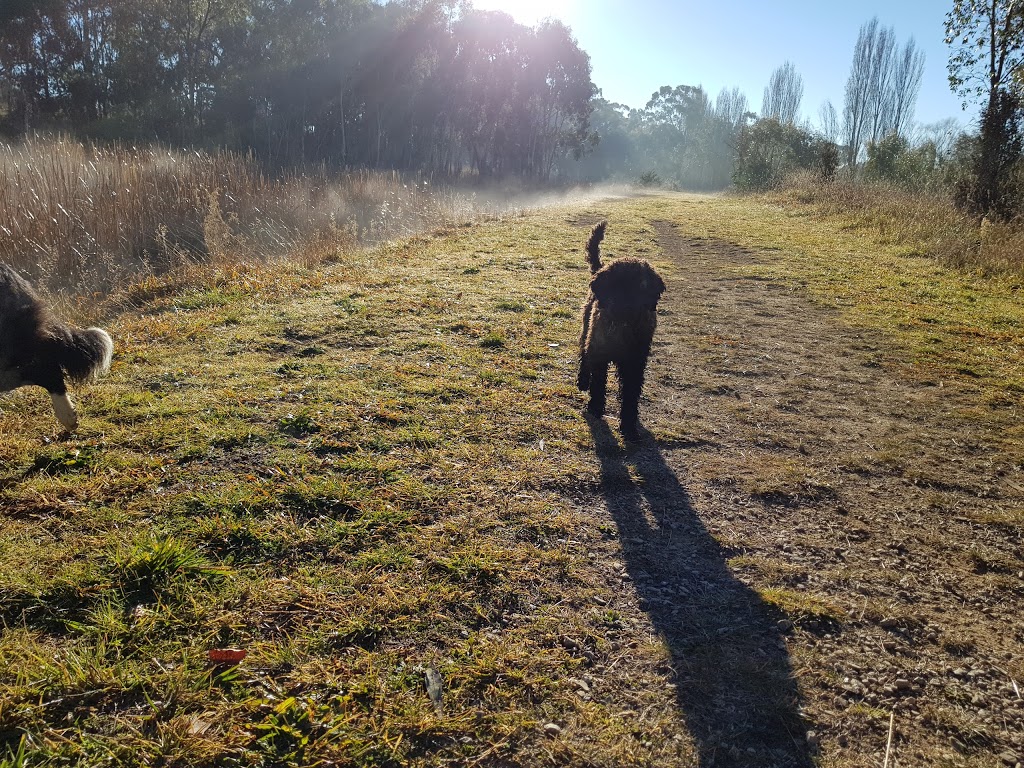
x: 36, y: 348
x: 619, y: 319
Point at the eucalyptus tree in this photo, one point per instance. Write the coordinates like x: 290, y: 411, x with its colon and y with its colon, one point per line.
x: 986, y: 63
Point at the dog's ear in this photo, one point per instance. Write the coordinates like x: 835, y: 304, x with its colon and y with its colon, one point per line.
x: 652, y: 288
x: 601, y: 285
x: 659, y: 286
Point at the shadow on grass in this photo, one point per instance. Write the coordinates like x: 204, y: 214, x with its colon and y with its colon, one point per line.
x: 733, y: 676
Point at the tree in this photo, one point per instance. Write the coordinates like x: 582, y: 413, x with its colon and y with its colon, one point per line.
x: 882, y: 89
x: 54, y: 58
x: 768, y: 151
x: 879, y: 104
x: 685, y: 139
x: 987, y: 41
x: 986, y: 61
x: 523, y: 95
x: 829, y: 121
x: 731, y: 107
x: 942, y: 134
x: 783, y: 94
x: 424, y: 85
x: 906, y: 86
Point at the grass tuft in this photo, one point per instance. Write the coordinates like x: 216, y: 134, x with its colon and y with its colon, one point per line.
x: 156, y: 561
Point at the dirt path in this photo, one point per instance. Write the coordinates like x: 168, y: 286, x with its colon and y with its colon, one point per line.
x: 823, y: 544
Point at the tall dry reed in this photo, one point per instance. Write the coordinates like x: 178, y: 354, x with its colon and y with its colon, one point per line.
x: 926, y: 222
x: 84, y: 219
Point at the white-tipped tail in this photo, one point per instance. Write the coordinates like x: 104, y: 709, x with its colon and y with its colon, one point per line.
x: 84, y: 355
x: 108, y: 351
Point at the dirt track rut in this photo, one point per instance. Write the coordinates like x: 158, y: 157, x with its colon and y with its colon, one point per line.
x: 817, y: 516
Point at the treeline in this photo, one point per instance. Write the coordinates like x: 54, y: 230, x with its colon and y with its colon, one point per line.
x: 680, y: 137
x: 436, y: 87
x: 429, y: 86
x: 683, y: 138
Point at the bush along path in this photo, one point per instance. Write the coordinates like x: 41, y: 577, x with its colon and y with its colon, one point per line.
x: 354, y: 515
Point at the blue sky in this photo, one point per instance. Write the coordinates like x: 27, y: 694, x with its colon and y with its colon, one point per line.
x: 639, y: 45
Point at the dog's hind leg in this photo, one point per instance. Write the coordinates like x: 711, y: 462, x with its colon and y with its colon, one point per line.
x: 631, y: 383
x: 598, y: 388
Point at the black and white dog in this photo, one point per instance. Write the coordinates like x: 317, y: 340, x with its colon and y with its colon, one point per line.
x: 36, y: 348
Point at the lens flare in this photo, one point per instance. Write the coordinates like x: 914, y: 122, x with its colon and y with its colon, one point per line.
x: 530, y: 11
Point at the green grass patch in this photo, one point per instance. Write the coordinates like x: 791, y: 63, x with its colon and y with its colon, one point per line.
x: 366, y: 470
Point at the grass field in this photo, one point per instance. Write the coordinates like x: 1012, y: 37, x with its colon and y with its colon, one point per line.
x: 373, y: 475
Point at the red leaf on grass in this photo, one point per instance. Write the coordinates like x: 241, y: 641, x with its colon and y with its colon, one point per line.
x: 226, y: 655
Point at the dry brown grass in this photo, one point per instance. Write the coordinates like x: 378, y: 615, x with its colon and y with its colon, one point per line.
x: 374, y: 468
x: 84, y: 218
x: 924, y: 223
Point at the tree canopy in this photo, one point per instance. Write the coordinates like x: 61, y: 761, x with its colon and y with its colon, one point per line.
x: 987, y: 62
x: 426, y: 85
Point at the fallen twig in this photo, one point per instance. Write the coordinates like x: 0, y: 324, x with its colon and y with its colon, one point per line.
x: 888, y: 743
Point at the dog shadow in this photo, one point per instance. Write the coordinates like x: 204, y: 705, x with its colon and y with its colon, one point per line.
x: 733, y: 677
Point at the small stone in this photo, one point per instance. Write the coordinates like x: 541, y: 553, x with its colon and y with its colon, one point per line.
x: 1009, y: 758
x: 581, y: 684
x: 784, y: 625
x: 853, y: 686
x: 552, y: 729
x: 903, y: 684
x: 889, y: 623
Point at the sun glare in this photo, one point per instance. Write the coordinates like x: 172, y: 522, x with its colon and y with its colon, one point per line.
x: 529, y: 11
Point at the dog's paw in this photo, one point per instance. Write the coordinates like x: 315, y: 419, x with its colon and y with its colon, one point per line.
x: 595, y: 408
x: 630, y: 432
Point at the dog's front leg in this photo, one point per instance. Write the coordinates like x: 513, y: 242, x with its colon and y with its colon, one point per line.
x: 65, y: 410
x: 598, y: 388
x: 583, y: 379
x: 49, y: 376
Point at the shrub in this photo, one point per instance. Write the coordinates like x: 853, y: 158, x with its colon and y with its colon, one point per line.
x: 649, y: 179
x: 893, y: 159
x: 769, y: 151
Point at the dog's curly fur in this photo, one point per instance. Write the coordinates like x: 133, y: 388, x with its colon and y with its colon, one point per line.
x: 619, y: 319
x: 36, y: 348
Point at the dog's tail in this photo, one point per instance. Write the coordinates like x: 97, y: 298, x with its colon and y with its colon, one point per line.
x: 83, y: 354
x: 594, y: 247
